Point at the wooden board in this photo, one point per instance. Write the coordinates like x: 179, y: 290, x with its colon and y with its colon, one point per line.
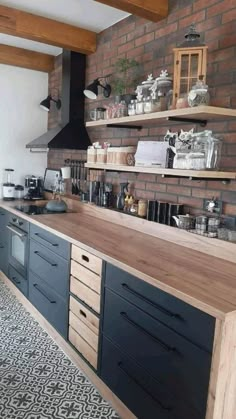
x: 85, y: 315
x: 91, y: 298
x: 153, y: 10
x: 84, y: 331
x: 199, y: 113
x: 163, y: 171
x: 87, y: 259
x: 24, y: 58
x: 89, y: 278
x: 37, y: 28
x: 83, y: 347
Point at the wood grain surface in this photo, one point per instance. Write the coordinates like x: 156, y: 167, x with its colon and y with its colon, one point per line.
x: 153, y: 10
x: 24, y: 58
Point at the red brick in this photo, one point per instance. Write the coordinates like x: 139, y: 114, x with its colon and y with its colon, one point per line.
x: 145, y: 39
x: 220, y: 7
x: 180, y: 13
x: 204, y: 193
x: 229, y: 16
x: 147, y: 177
x: 229, y: 209
x: 202, y: 4
x: 156, y: 187
x: 126, y: 47
x: 190, y: 201
x: 172, y: 27
x: 195, y: 17
x: 166, y: 197
x: 179, y: 190
x: 126, y: 29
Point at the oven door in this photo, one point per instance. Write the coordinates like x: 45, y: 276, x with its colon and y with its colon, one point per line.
x: 18, y: 249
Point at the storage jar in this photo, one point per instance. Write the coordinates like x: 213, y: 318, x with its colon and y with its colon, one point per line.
x: 101, y: 155
x: 92, y: 155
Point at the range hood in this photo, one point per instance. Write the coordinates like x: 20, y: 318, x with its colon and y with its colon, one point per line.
x: 71, y: 134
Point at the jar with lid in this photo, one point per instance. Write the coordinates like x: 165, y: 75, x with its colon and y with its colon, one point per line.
x: 122, y: 109
x: 142, y: 208
x: 139, y: 107
x: 148, y: 105
x: 132, y: 108
x: 199, y: 94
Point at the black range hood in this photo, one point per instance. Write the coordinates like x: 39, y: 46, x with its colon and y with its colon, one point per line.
x: 72, y: 133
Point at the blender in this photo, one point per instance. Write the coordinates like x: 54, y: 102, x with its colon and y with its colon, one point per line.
x: 8, y: 186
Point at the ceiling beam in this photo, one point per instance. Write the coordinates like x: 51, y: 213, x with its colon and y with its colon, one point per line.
x: 24, y: 58
x: 37, y: 28
x: 153, y: 10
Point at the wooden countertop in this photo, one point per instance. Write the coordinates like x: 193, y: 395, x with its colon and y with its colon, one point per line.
x: 206, y: 282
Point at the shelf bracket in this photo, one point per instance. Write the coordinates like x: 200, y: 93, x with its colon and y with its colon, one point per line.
x: 224, y: 181
x: 202, y: 122
x: 138, y: 127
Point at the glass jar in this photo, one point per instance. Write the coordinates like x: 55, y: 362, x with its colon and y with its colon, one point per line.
x: 148, y: 105
x: 132, y: 108
x: 122, y: 109
x: 199, y: 95
x: 139, y: 107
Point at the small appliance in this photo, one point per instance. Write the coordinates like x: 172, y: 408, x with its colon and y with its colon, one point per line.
x: 8, y: 186
x: 35, y: 188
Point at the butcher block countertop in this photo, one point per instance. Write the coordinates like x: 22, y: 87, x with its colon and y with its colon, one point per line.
x: 204, y: 281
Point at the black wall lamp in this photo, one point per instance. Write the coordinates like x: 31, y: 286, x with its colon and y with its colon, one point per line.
x: 46, y: 103
x: 91, y: 91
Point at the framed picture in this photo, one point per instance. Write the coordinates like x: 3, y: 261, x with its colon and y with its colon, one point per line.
x: 50, y: 178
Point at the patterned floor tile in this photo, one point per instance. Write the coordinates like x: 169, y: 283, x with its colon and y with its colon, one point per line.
x: 37, y: 380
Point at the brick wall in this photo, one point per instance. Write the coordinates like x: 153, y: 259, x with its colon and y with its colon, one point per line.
x: 151, y: 44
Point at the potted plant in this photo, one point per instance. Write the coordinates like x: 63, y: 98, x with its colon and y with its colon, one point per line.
x: 125, y: 79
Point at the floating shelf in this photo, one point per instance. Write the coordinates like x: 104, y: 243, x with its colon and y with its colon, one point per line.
x: 202, y: 174
x: 200, y: 114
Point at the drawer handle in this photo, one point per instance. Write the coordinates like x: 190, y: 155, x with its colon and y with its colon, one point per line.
x: 157, y: 306
x: 42, y: 257
x: 83, y: 313
x: 45, y: 295
x: 1, y: 246
x: 85, y: 258
x: 15, y: 280
x: 150, y: 335
x: 47, y: 241
x: 123, y: 369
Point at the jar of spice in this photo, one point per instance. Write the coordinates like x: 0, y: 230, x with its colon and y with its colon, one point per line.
x: 142, y: 208
x: 199, y: 94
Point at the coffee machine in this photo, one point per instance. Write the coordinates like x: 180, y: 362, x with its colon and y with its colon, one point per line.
x: 35, y: 188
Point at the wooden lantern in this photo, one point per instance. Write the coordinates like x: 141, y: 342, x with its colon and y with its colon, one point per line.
x: 190, y: 61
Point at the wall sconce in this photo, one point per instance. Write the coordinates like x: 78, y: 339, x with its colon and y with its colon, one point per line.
x: 46, y: 103
x: 91, y: 91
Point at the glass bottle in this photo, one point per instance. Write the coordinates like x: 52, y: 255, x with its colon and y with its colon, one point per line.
x: 122, y: 109
x: 139, y: 107
x: 132, y: 108
x: 148, y: 105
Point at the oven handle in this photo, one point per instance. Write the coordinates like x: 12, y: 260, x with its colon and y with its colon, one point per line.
x: 17, y: 231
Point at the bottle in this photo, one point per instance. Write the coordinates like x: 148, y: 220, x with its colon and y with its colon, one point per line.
x: 142, y: 208
x: 132, y: 108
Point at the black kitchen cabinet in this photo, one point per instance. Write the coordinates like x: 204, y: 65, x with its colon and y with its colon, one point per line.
x: 156, y: 367
x: 4, y: 241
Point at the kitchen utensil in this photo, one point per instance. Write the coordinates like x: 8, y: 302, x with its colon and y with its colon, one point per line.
x: 201, y: 224
x: 120, y: 203
x: 73, y: 177
x: 152, y: 211
x: 19, y: 192
x: 173, y: 209
x: 162, y: 212
x: 186, y: 222
x: 8, y: 186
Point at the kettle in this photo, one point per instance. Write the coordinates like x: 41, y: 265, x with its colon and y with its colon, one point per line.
x: 185, y: 222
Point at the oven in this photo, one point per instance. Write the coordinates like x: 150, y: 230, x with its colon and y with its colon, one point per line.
x: 18, y: 244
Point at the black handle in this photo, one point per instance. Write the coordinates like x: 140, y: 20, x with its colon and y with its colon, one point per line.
x: 1, y: 246
x: 150, y: 335
x: 147, y: 300
x: 42, y: 257
x: 2, y: 213
x: 43, y: 293
x: 83, y: 313
x: 47, y: 241
x: 123, y: 369
x: 15, y: 280
x: 85, y: 258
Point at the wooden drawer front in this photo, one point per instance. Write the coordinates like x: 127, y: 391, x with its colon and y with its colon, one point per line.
x: 141, y: 393
x: 56, y: 244
x: 190, y: 322
x: 91, y: 298
x: 176, y: 363
x: 83, y: 347
x: 18, y: 280
x: 90, y: 337
x: 50, y: 304
x: 85, y: 315
x: 50, y: 267
x: 87, y: 259
x: 86, y: 276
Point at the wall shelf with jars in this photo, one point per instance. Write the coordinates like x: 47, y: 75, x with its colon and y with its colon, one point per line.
x: 198, y: 114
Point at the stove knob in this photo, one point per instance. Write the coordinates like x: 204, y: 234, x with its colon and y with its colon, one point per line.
x: 21, y: 223
x: 14, y: 220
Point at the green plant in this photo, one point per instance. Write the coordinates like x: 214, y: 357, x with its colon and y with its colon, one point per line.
x: 125, y: 76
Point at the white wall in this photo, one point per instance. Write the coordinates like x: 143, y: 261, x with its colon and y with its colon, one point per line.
x: 21, y: 120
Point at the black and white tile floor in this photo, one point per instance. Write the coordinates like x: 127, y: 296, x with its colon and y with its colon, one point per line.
x: 37, y: 380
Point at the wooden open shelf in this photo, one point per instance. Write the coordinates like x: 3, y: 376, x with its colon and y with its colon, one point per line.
x: 206, y: 174
x: 197, y: 114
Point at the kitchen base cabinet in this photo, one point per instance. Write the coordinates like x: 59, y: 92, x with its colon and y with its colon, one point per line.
x: 18, y: 280
x: 4, y: 241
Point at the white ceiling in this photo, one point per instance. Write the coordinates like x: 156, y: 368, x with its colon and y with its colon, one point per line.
x: 88, y: 14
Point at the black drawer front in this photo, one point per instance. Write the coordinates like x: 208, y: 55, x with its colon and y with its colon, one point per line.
x: 18, y: 280
x: 4, y: 218
x: 190, y: 322
x: 50, y: 267
x: 4, y: 252
x: 143, y: 395
x: 54, y: 243
x: 178, y: 364
x: 50, y: 305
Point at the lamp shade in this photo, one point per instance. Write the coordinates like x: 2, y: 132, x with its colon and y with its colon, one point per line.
x: 91, y: 91
x: 45, y: 104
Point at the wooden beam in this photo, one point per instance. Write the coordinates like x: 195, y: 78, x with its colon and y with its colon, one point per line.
x: 24, y: 58
x: 37, y: 28
x: 153, y: 10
